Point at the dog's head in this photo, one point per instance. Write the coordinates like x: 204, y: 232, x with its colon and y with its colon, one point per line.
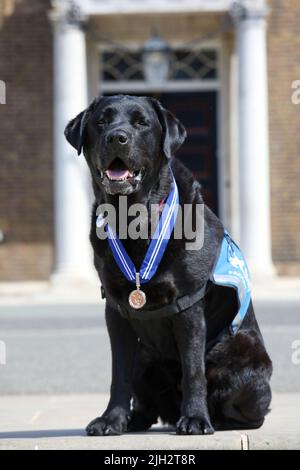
x: 126, y: 140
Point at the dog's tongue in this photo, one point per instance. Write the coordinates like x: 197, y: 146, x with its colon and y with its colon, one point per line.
x: 118, y: 174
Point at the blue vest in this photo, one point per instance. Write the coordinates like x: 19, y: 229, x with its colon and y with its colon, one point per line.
x: 231, y: 270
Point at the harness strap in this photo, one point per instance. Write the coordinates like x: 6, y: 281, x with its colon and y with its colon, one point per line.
x: 178, y: 306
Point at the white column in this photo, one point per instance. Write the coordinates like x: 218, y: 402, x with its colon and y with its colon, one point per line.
x: 73, y: 259
x: 253, y: 146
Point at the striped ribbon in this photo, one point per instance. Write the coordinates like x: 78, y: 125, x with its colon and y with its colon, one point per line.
x: 157, y: 245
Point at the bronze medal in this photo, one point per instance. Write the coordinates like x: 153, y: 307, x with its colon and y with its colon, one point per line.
x: 137, y: 299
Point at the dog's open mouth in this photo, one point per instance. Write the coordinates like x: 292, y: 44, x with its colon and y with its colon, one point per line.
x: 119, y: 172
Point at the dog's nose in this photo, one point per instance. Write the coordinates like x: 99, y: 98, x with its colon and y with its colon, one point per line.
x: 118, y: 138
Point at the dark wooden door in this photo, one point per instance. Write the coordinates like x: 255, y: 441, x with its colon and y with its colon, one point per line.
x: 197, y: 111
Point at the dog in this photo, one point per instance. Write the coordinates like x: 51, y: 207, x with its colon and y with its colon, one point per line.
x: 180, y: 364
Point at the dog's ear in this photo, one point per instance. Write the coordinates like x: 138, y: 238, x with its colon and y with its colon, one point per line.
x: 174, y: 133
x: 75, y: 129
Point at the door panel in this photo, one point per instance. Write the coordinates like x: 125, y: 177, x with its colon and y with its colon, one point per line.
x: 197, y: 111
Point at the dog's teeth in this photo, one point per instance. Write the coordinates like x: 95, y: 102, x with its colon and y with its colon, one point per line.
x: 129, y: 174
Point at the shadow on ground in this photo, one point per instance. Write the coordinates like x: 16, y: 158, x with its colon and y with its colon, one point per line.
x: 42, y: 433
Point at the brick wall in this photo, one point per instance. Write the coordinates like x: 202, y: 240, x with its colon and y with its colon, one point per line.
x: 26, y: 211
x: 284, y: 68
x: 26, y: 214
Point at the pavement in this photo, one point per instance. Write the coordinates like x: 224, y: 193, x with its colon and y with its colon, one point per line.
x: 58, y: 422
x: 55, y: 373
x: 64, y: 348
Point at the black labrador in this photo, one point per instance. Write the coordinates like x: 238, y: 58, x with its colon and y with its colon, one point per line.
x: 186, y: 369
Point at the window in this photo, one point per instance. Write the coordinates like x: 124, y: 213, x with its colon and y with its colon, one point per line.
x: 120, y: 65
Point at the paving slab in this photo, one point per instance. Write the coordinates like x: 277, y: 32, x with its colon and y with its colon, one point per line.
x: 282, y: 427
x: 58, y: 422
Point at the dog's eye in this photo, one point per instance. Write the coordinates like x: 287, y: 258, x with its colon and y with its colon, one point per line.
x: 101, y: 122
x: 142, y: 122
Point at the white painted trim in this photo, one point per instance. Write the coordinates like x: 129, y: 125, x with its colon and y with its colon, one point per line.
x: 170, y: 86
x: 234, y: 157
x: 221, y: 143
x: 122, y: 7
x: 135, y: 46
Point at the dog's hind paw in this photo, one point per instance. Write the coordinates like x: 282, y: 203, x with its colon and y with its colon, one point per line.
x: 139, y: 421
x: 193, y: 425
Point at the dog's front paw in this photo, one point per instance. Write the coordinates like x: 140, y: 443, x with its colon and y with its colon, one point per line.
x: 193, y: 425
x: 108, y: 425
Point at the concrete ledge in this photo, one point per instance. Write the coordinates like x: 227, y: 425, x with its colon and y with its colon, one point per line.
x: 149, y: 441
x: 275, y: 441
x: 78, y: 292
x: 58, y: 422
x: 276, y: 288
x: 47, y: 293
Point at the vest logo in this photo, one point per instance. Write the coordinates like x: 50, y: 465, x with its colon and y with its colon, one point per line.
x: 241, y: 267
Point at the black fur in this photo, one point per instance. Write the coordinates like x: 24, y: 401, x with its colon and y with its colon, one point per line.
x: 173, y: 368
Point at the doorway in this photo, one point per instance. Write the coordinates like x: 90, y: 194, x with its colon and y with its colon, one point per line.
x: 198, y: 113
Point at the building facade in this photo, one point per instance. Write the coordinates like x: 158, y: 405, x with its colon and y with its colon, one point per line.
x: 232, y: 80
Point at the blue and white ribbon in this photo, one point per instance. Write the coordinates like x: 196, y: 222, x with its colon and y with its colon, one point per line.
x: 157, y: 245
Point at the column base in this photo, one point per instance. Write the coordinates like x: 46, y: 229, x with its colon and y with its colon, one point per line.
x: 261, y: 272
x: 75, y: 278
x: 68, y: 287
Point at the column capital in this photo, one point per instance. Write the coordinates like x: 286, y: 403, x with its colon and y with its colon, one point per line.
x: 67, y: 14
x: 248, y: 10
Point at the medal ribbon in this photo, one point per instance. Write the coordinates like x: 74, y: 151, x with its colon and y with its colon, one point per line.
x: 157, y: 245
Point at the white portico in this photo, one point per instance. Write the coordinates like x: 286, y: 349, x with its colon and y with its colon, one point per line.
x: 251, y: 227
x: 73, y: 260
x: 253, y: 137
